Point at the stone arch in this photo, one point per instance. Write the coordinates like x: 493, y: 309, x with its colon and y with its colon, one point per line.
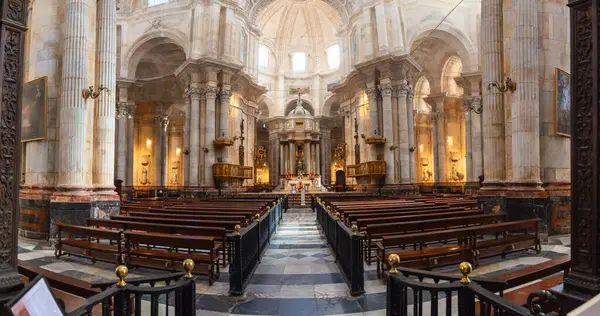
x: 452, y: 69
x: 145, y: 43
x: 455, y: 38
x: 330, y: 105
x: 422, y: 90
x: 266, y: 106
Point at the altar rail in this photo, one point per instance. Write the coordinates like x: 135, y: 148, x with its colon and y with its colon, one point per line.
x: 248, y: 244
x: 346, y: 246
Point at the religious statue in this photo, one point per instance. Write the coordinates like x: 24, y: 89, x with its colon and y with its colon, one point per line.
x: 300, y: 162
x: 260, y: 156
x: 426, y: 175
x: 174, y: 178
x: 144, y: 176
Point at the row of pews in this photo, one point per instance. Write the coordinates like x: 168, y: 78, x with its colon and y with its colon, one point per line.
x: 163, y: 233
x: 428, y: 232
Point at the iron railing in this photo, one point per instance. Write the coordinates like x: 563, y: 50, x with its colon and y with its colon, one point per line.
x: 346, y: 246
x: 248, y: 244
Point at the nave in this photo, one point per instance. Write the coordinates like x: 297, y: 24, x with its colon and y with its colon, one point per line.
x: 297, y: 275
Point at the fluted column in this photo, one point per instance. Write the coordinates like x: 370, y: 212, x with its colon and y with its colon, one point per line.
x: 371, y: 150
x: 103, y: 171
x: 281, y: 160
x: 469, y: 141
x: 121, y: 157
x: 437, y: 173
x: 477, y: 139
x: 412, y: 167
x: 164, y: 172
x: 491, y: 70
x: 211, y: 95
x: 388, y: 153
x: 225, y: 96
x: 292, y: 157
x: 130, y: 146
x: 403, y: 139
x: 194, y: 95
x: 525, y: 110
x: 73, y: 108
x: 307, y: 162
x: 318, y: 158
x: 186, y: 139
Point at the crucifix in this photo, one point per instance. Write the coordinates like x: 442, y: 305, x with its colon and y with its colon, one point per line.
x: 299, y: 102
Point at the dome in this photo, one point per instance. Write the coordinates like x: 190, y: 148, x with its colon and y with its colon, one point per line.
x: 299, y: 111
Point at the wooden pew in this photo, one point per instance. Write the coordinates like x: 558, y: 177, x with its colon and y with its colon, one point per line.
x: 229, y: 225
x: 467, y: 244
x: 241, y: 219
x: 202, y: 250
x: 87, y: 248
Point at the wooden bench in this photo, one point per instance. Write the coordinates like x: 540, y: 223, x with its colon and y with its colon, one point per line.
x: 91, y: 246
x: 219, y: 233
x: 203, y: 250
x: 468, y: 245
x: 229, y: 225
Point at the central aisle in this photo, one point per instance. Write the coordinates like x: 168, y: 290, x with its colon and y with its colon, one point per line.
x: 298, y: 276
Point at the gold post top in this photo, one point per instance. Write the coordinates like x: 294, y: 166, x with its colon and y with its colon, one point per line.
x: 394, y: 261
x: 237, y: 228
x: 465, y: 269
x: 188, y: 266
x: 337, y: 215
x: 121, y: 272
x: 274, y: 203
x: 354, y: 229
x: 257, y: 217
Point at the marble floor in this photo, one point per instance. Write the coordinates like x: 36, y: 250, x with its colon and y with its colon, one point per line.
x: 297, y: 275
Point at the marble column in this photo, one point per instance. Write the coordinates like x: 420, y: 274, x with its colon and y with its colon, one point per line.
x: 74, y: 108
x: 103, y: 169
x: 292, y: 157
x: 371, y: 150
x: 225, y: 96
x: 469, y: 140
x: 388, y: 153
x: 412, y: 167
x: 131, y: 107
x: 307, y: 162
x: 157, y: 151
x: 121, y: 157
x: 326, y: 156
x: 491, y: 70
x: 186, y: 139
x: 194, y: 95
x: 318, y: 158
x: 477, y: 139
x: 211, y: 95
x: 403, y: 139
x: 525, y: 110
x: 281, y: 160
x: 437, y: 173
x: 164, y: 172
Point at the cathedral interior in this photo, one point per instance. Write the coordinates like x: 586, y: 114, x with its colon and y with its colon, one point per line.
x: 301, y: 157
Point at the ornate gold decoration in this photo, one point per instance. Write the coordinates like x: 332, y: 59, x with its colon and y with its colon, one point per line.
x: 337, y: 216
x: 465, y: 270
x: 393, y: 261
x: 188, y: 266
x: 91, y: 93
x: 376, y: 140
x: 121, y: 272
x: 268, y: 209
x: 237, y: 229
x: 225, y: 171
x: 256, y: 217
x: 503, y: 87
x: 374, y: 169
x: 260, y: 156
x: 354, y: 229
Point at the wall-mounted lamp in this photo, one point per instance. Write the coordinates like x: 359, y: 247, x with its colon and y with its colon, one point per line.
x: 186, y: 151
x: 412, y: 149
x: 362, y: 136
x: 205, y: 150
x: 148, y: 142
x: 91, y: 93
x: 503, y: 87
x: 178, y: 151
x: 393, y: 147
x: 421, y: 148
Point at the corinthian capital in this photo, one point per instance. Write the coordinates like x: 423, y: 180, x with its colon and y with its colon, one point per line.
x: 403, y: 89
x: 225, y: 95
x: 211, y: 92
x: 386, y: 89
x: 122, y: 110
x: 473, y: 104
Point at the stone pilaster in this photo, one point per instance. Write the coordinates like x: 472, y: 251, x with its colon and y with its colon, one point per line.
x: 493, y: 116
x: 194, y: 94
x: 318, y: 158
x: 403, y: 140
x: 121, y: 158
x: 211, y: 95
x: 525, y: 111
x: 164, y: 173
x: 131, y: 107
x: 71, y: 203
x: 412, y: 167
x: 388, y: 153
x: 435, y: 117
x: 307, y: 156
x: 326, y: 156
x: 186, y: 139
x: 225, y: 96
x: 292, y: 157
x: 374, y: 129
x: 469, y: 140
x: 281, y: 159
x: 476, y: 139
x: 103, y: 169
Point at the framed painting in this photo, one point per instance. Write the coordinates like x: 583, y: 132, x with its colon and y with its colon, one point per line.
x: 562, y: 122
x: 35, y: 99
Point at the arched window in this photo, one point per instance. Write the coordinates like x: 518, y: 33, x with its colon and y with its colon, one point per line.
x: 242, y: 46
x: 156, y: 2
x: 333, y: 56
x: 263, y: 57
x: 298, y: 62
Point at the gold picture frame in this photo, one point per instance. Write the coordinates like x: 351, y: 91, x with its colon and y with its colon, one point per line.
x: 35, y: 104
x: 562, y: 103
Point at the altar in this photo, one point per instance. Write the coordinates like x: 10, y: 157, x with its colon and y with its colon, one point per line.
x: 294, y: 184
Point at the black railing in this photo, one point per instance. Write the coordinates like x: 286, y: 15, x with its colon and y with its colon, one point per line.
x: 248, y: 244
x: 124, y: 299
x: 406, y: 293
x: 346, y: 247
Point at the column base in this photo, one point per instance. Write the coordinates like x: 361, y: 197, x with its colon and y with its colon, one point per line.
x: 71, y: 205
x: 34, y: 202
x: 104, y: 204
x: 551, y: 203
